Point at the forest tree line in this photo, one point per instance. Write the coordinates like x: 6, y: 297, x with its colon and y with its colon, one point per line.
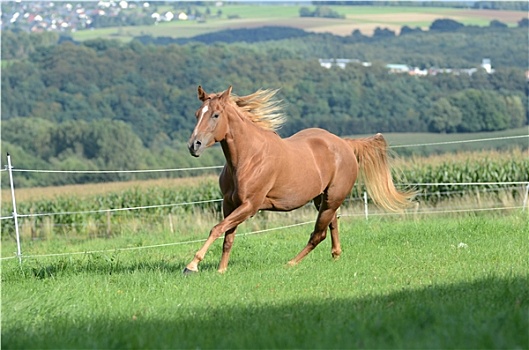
x: 103, y: 104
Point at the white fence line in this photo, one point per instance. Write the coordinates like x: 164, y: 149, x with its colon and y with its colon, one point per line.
x: 15, y: 215
x: 101, y: 211
x: 114, y: 250
x: 159, y: 245
x: 461, y: 141
x: 119, y: 209
x: 466, y: 183
x: 115, y: 171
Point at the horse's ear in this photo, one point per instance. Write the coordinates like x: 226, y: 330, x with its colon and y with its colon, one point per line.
x: 201, y: 94
x: 226, y: 93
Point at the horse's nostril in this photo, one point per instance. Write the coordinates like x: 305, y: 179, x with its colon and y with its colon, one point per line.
x: 198, y: 143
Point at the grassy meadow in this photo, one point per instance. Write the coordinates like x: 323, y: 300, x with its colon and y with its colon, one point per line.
x: 364, y: 18
x: 438, y: 282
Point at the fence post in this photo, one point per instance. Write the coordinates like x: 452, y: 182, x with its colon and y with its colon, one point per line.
x: 171, y: 227
x: 15, y: 214
x: 365, y: 204
x: 108, y: 224
x: 525, y: 197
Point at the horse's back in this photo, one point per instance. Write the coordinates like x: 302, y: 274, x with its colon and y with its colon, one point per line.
x: 311, y: 133
x: 320, y: 142
x: 324, y: 151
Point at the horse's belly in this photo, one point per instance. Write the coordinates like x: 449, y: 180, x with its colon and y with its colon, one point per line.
x: 293, y: 195
x: 283, y: 204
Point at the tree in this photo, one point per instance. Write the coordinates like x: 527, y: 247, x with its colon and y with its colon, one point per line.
x: 515, y: 111
x: 444, y: 117
x: 305, y: 12
x: 446, y: 25
x: 383, y: 33
x: 497, y: 24
x: 109, y: 144
x: 408, y: 30
x: 33, y: 134
x: 482, y: 111
x: 20, y: 45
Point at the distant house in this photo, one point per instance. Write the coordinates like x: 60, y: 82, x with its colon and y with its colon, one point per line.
x: 398, y: 68
x: 334, y: 62
x: 487, y: 66
x: 418, y: 72
x: 168, y: 16
x: 340, y: 62
x: 182, y: 16
x: 405, y: 69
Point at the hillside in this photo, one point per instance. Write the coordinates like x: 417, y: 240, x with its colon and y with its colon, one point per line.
x: 104, y: 104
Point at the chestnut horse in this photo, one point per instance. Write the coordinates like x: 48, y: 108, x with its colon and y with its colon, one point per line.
x: 266, y: 172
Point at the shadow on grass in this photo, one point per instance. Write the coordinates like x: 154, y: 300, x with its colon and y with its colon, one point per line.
x: 107, y: 268
x: 108, y: 264
x: 488, y: 313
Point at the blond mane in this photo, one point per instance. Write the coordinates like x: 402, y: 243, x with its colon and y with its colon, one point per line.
x: 262, y: 109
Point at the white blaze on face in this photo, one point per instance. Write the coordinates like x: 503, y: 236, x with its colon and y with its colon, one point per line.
x: 204, y: 110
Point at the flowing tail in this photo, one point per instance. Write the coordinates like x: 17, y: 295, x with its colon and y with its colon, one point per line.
x: 375, y: 172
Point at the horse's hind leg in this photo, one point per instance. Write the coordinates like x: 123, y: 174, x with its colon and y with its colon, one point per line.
x: 336, y: 250
x: 326, y: 215
x: 229, y: 236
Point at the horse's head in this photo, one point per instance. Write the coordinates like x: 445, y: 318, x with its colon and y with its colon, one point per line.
x: 212, y: 123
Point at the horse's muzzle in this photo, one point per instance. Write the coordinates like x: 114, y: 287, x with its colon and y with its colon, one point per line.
x: 195, y: 147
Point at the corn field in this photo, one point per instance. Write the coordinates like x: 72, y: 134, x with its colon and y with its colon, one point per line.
x: 443, y: 174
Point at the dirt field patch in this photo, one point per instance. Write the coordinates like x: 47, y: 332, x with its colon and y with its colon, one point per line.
x: 399, y: 18
x: 503, y: 16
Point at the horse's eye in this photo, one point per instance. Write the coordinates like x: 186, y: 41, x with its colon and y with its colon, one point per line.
x: 215, y: 115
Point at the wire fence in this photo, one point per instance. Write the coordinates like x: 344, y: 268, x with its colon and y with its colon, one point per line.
x: 172, y: 205
x: 515, y: 185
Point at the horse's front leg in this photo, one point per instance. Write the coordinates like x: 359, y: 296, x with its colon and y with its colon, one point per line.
x: 230, y: 222
x: 227, y: 208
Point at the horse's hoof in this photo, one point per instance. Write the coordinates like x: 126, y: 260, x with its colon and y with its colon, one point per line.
x: 188, y: 272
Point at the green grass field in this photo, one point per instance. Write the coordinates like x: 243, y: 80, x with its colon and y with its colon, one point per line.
x: 434, y: 282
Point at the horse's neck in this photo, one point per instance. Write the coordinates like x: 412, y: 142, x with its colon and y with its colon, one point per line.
x: 243, y: 142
